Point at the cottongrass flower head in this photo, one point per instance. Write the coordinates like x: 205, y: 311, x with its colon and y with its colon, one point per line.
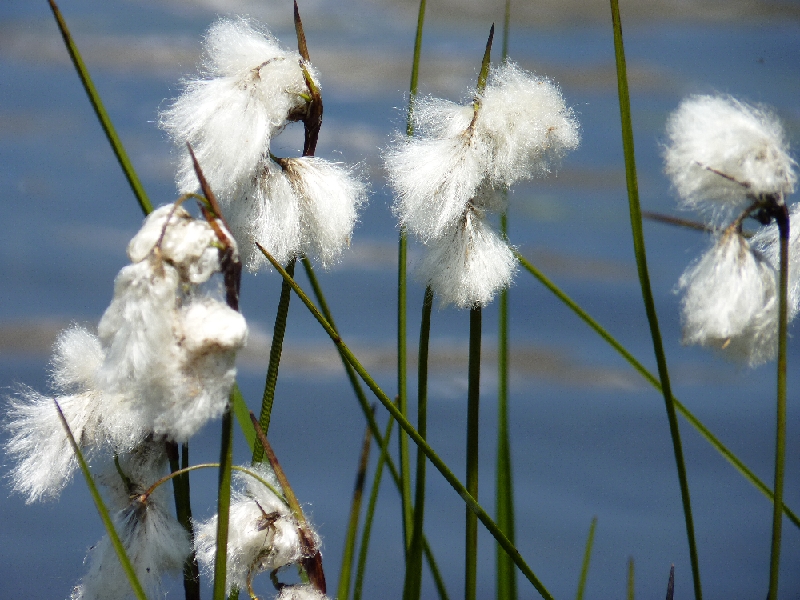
x: 722, y: 153
x: 468, y: 264
x: 248, y: 88
x: 161, y: 363
x: 262, y: 535
x: 154, y: 540
x: 730, y: 301
x: 454, y: 171
x: 297, y: 206
x: 300, y: 592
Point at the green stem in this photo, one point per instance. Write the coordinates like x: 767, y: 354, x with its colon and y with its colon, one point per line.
x: 101, y: 508
x: 587, y: 556
x: 437, y: 462
x: 223, y: 504
x: 473, y: 410
x: 647, y: 296
x: 630, y: 579
x: 412, y: 587
x: 369, y: 517
x: 183, y: 512
x: 352, y: 525
x: 373, y: 425
x: 652, y: 380
x: 402, y: 294
x: 100, y: 112
x: 274, y: 361
x: 780, y: 429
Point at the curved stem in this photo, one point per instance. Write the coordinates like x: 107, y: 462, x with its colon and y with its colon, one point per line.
x: 647, y: 295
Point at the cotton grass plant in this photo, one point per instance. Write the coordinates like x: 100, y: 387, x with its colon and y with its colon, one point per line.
x: 128, y: 398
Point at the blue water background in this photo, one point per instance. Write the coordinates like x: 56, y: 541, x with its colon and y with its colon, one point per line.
x: 589, y: 438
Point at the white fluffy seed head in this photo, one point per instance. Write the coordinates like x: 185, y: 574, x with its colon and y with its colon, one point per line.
x: 247, y: 88
x: 76, y: 357
x: 436, y: 172
x: 730, y: 301
x: 329, y: 196
x: 266, y: 211
x: 526, y: 123
x: 262, y: 534
x: 155, y: 543
x: 722, y: 151
x: 469, y: 264
x: 301, y: 592
x: 188, y: 244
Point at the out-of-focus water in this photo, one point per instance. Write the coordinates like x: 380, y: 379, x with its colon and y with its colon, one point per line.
x: 589, y: 438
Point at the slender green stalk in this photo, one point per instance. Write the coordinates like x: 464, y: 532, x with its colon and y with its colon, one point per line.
x: 412, y: 587
x: 275, y: 351
x: 504, y: 486
x: 473, y: 414
x: 352, y: 525
x: 780, y: 427
x: 587, y: 557
x: 402, y: 300
x: 630, y: 579
x: 368, y: 413
x: 652, y: 380
x: 102, y: 115
x: 369, y: 516
x: 183, y: 512
x: 101, y: 508
x: 437, y: 462
x: 223, y: 504
x: 647, y: 296
x: 242, y: 413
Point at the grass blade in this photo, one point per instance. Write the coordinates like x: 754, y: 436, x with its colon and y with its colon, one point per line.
x: 101, y: 508
x: 647, y: 295
x: 587, y: 556
x: 437, y: 462
x: 100, y: 111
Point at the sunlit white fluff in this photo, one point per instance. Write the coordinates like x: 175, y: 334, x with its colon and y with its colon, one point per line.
x: 266, y: 211
x: 525, y: 122
x: 188, y: 244
x: 744, y: 144
x: 329, y: 196
x: 469, y: 264
x: 262, y: 534
x: 436, y: 172
x: 730, y: 301
x: 44, y: 461
x: 300, y: 592
x: 247, y: 88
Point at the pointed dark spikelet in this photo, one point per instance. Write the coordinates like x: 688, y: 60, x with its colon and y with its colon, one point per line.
x: 312, y: 563
x: 671, y: 584
x: 484, y: 74
x: 302, y: 48
x: 229, y: 264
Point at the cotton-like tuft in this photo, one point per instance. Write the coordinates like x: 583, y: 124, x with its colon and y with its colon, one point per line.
x: 723, y: 152
x: 329, y: 196
x: 262, y: 533
x: 469, y: 264
x: 190, y: 245
x: 730, y: 301
x: 247, y: 89
x: 155, y: 543
x: 526, y: 123
x: 438, y: 171
x: 300, y: 592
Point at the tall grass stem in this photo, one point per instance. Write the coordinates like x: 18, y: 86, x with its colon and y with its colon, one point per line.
x: 223, y: 504
x: 647, y: 295
x: 473, y: 416
x: 437, y: 462
x: 587, y: 557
